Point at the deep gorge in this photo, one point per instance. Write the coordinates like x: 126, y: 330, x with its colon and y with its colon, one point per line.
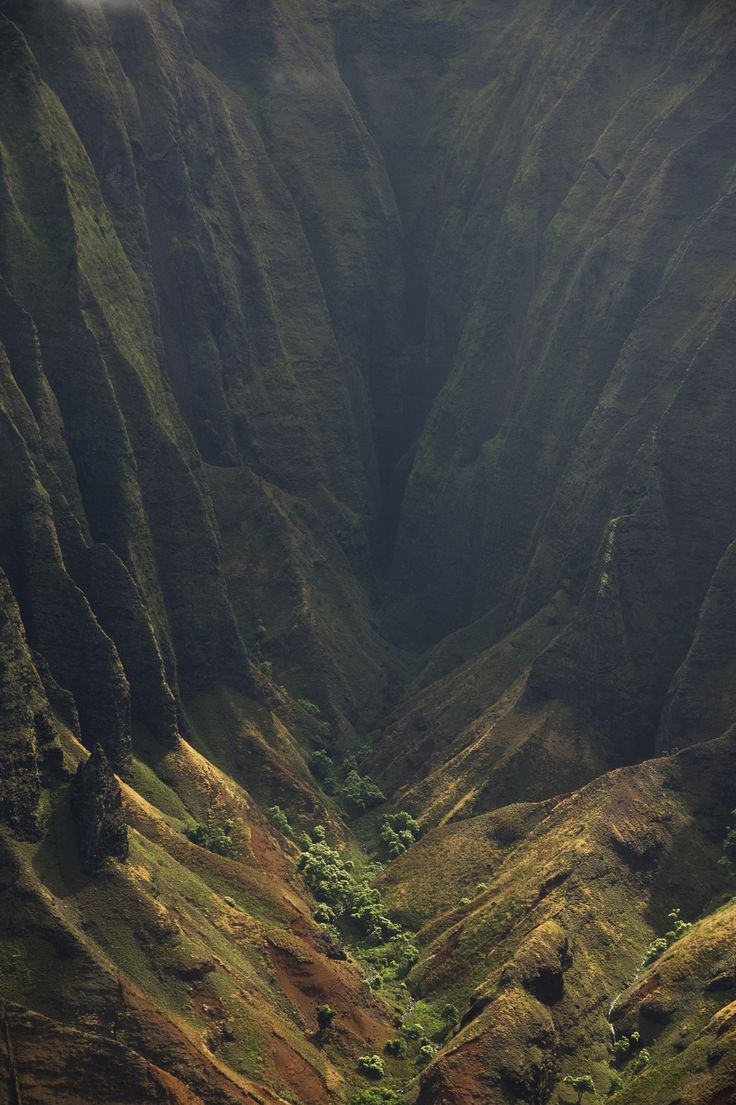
x: 366, y: 393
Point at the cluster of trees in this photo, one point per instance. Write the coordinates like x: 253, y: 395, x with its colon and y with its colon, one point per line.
x: 350, y: 897
x: 347, y: 901
x: 679, y: 928
x: 216, y: 838
x: 358, y: 792
x: 627, y: 1049
x: 397, y: 832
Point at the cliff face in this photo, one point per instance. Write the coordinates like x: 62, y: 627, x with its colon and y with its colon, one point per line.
x: 245, y: 295
x: 375, y: 355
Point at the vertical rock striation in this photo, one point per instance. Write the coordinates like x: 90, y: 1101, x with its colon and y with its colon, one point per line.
x: 98, y: 810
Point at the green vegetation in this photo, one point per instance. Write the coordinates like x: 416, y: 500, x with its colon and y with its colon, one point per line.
x: 378, y: 1096
x: 398, y: 831
x: 321, y: 726
x: 616, y: 1083
x: 400, y: 954
x: 322, y: 767
x: 641, y: 1061
x: 309, y: 707
x: 413, y: 1031
x: 280, y: 821
x: 360, y: 792
x: 623, y: 1046
x: 325, y: 1018
x: 372, y: 1066
x: 581, y: 1084
x: 353, y: 901
x: 679, y: 928
x: 425, y: 1055
x: 396, y: 1048
x: 216, y: 838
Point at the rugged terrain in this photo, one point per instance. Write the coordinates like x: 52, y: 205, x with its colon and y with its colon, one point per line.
x: 367, y: 403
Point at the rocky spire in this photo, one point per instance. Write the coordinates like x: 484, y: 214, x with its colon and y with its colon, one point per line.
x: 98, y: 808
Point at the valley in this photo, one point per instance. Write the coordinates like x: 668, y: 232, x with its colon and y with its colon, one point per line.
x: 367, y: 570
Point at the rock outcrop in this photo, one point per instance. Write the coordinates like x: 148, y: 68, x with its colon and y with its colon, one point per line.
x: 98, y: 810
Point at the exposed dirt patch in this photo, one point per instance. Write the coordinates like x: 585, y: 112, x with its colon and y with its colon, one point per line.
x: 297, y: 1074
x: 308, y: 980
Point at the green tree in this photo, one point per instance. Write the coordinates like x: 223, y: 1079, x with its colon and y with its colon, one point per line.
x: 280, y: 821
x: 449, y: 1014
x: 325, y: 1018
x: 581, y: 1084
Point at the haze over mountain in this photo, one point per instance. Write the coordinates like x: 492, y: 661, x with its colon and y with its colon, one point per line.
x: 367, y: 551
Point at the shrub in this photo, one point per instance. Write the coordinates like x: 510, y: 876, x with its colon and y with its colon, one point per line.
x: 480, y: 887
x: 465, y: 901
x: 325, y: 1017
x: 450, y: 1014
x: 396, y: 1047
x: 679, y: 927
x: 372, y: 1066
x: 309, y: 707
x: 280, y: 821
x: 413, y: 1031
x: 654, y: 950
x: 360, y: 792
x: 378, y: 1096
x: 214, y: 838
x: 425, y: 1055
x: 403, y: 952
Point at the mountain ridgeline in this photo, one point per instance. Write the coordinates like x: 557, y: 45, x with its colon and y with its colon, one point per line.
x: 367, y: 413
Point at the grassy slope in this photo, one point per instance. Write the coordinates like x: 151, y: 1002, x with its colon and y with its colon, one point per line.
x: 575, y: 890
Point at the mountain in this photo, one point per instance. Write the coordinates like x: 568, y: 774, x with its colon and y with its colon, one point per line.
x: 367, y: 551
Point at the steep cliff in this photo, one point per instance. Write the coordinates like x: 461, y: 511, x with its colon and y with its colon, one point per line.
x: 365, y: 391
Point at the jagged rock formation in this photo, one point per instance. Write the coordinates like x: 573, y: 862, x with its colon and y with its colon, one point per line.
x: 98, y: 810
x: 375, y: 354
